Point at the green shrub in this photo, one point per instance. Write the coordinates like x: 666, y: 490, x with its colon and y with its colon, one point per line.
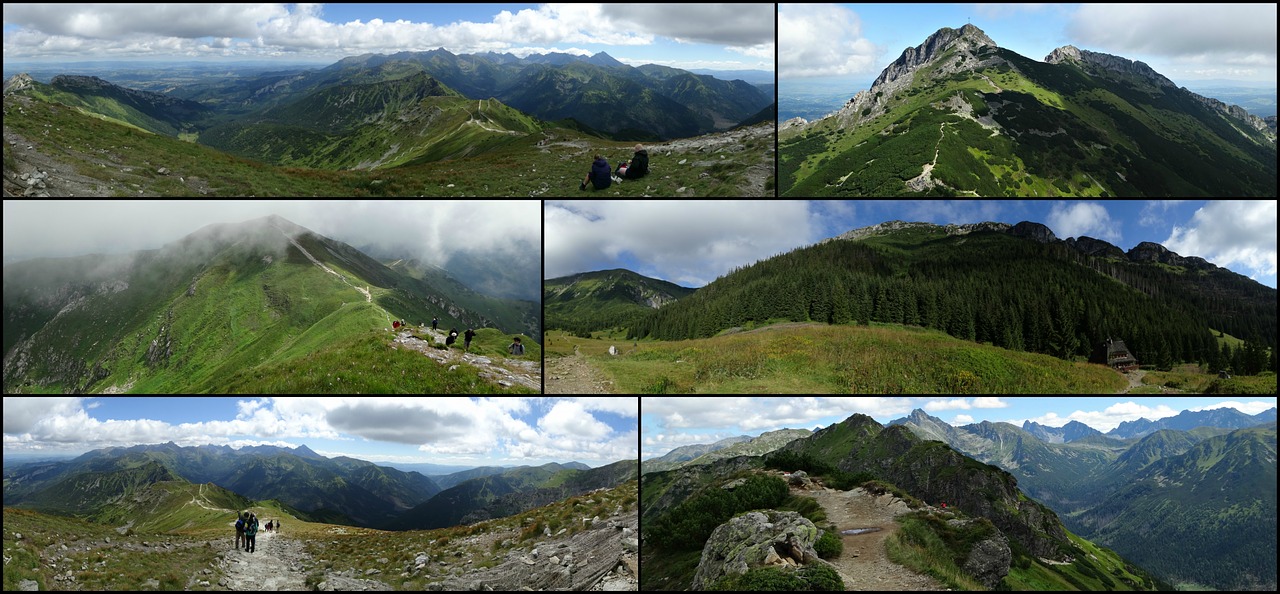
x: 829, y: 545
x: 814, y: 578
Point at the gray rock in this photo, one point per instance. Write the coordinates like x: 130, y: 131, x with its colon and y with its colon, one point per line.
x: 163, y: 171
x: 29, y: 586
x: 746, y: 541
x: 151, y: 584
x: 989, y: 560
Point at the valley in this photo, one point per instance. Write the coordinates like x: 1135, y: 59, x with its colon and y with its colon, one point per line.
x: 411, y: 124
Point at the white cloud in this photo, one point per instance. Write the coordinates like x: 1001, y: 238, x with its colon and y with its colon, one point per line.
x: 685, y: 242
x: 822, y: 40
x: 989, y: 402
x: 1107, y: 419
x: 959, y: 403
x: 301, y: 30
x: 481, y: 430
x: 962, y: 420
x: 1224, y: 31
x: 1231, y: 233
x: 1252, y: 407
x: 1154, y: 210
x: 754, y: 415
x: 1082, y: 218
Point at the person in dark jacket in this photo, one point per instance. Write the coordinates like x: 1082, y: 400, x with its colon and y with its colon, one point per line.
x: 639, y: 166
x: 468, y: 336
x: 598, y: 176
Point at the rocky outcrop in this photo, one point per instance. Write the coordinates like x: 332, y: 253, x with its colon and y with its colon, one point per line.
x: 18, y: 82
x: 989, y: 559
x: 968, y: 37
x: 1094, y: 247
x: 1238, y: 113
x: 757, y: 538
x: 1106, y: 64
x: 1154, y: 252
x: 1033, y: 231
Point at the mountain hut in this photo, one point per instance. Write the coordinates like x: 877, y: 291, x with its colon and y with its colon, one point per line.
x: 1118, y: 356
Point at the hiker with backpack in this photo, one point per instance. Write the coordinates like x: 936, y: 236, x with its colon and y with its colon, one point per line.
x: 516, y: 347
x: 598, y: 176
x: 638, y: 167
x: 240, y: 526
x: 468, y: 336
x: 452, y: 338
x: 251, y: 534
x: 434, y: 323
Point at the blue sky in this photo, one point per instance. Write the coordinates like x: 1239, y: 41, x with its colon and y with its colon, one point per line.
x: 693, y: 242
x: 1185, y: 42
x: 441, y: 430
x: 670, y: 422
x: 715, y: 36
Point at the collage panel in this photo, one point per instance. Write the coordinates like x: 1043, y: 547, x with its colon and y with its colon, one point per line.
x: 501, y: 493
x: 922, y: 100
x: 403, y: 100
x: 272, y: 297
x: 920, y: 493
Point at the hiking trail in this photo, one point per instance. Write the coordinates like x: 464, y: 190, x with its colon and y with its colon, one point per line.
x: 500, y: 370
x: 865, y: 564
x: 573, y: 374
x: 276, y: 564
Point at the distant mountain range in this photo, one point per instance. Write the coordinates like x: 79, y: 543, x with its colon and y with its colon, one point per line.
x: 1202, y: 485
x: 603, y: 299
x: 102, y: 483
x: 697, y: 455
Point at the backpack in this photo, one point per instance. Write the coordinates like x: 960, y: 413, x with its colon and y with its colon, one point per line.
x: 239, y: 525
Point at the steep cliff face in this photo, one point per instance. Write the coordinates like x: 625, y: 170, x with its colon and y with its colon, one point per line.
x: 1106, y: 64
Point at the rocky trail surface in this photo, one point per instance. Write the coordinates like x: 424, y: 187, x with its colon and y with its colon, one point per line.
x: 500, y: 370
x: 865, y: 565
x: 574, y: 375
x: 276, y: 564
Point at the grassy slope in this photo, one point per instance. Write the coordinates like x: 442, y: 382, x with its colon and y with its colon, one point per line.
x: 125, y: 160
x: 824, y: 359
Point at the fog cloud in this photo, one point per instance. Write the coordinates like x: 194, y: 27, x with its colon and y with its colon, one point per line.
x: 433, y: 231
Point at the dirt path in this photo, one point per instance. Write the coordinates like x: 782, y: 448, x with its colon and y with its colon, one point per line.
x: 1135, y: 379
x: 574, y: 375
x: 865, y: 565
x: 275, y: 564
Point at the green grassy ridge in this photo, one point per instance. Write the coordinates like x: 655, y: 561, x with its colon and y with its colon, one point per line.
x: 125, y: 160
x: 116, y: 104
x: 842, y: 359
x: 225, y: 317
x: 591, y: 301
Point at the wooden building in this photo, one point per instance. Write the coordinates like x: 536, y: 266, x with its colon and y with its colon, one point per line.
x: 1118, y: 356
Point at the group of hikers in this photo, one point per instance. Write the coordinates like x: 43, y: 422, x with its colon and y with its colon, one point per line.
x: 600, y: 176
x: 515, y: 348
x: 247, y: 530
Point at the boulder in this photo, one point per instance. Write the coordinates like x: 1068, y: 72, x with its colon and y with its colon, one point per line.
x: 989, y: 560
x: 747, y: 541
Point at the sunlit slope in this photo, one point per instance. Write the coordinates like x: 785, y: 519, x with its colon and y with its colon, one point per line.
x: 838, y: 359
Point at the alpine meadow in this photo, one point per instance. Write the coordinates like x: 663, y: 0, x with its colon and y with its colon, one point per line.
x: 844, y: 297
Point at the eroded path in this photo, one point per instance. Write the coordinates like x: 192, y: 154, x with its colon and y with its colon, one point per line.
x: 574, y: 375
x: 500, y: 370
x: 864, y: 565
x: 276, y: 564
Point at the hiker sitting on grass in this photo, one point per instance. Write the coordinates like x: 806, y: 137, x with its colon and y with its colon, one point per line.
x: 598, y: 176
x: 638, y: 167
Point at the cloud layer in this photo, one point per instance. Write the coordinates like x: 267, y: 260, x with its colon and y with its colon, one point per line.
x: 685, y: 242
x: 1082, y: 218
x: 444, y: 429
x: 301, y: 30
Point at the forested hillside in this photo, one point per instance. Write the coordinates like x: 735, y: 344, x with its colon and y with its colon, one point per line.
x: 989, y: 287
